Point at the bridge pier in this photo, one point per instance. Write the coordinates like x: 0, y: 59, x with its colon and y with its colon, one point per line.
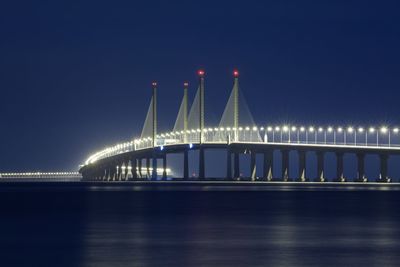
x: 383, y: 176
x: 148, y: 175
x: 360, y: 168
x: 320, y: 166
x: 302, y: 166
x: 339, y: 167
x: 134, y: 166
x: 236, y: 163
x: 285, y: 165
x: 154, y: 165
x: 228, y: 164
x: 164, y: 160
x: 186, y: 164
x: 201, y: 163
x: 140, y: 161
x: 253, y: 167
x: 268, y: 164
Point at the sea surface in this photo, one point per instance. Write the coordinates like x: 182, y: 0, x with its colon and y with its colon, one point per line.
x: 99, y: 226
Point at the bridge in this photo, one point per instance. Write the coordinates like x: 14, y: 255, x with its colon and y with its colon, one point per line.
x: 40, y: 176
x: 237, y: 134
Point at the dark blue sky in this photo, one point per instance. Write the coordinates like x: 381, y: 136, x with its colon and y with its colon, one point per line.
x: 75, y: 76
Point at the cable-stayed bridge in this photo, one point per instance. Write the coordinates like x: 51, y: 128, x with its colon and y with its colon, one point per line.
x: 237, y: 133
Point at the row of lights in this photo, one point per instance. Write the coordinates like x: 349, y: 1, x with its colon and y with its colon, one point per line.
x: 284, y: 128
x: 37, y: 173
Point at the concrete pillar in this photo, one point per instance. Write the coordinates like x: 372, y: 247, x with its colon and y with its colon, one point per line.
x: 360, y: 168
x: 186, y: 164
x: 236, y: 163
x: 285, y: 165
x: 201, y: 163
x: 302, y: 165
x: 154, y: 165
x: 164, y: 175
x: 140, y: 167
x: 228, y: 164
x: 268, y: 164
x: 253, y: 165
x: 320, y: 166
x: 339, y: 167
x: 383, y: 176
x: 148, y: 167
x: 134, y: 170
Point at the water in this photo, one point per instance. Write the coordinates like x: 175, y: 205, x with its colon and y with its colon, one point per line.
x: 96, y: 226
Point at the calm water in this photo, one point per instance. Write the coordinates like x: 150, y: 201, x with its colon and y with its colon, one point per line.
x: 87, y: 227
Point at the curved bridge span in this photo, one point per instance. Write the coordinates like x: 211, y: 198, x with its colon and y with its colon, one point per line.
x: 238, y: 134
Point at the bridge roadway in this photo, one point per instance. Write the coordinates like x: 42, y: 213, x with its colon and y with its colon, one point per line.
x: 128, y: 165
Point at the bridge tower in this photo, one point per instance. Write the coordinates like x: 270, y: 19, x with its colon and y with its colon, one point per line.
x: 154, y: 130
x: 236, y: 103
x: 201, y: 74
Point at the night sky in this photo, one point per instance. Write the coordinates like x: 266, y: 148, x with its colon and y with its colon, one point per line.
x: 75, y: 76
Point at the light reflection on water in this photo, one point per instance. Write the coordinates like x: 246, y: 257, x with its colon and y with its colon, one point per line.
x: 199, y: 228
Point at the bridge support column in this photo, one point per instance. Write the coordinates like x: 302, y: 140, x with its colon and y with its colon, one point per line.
x: 253, y: 170
x: 339, y: 167
x: 302, y: 165
x: 320, y: 166
x: 134, y: 168
x: 185, y: 164
x: 119, y: 173
x: 285, y: 165
x: 236, y: 163
x: 268, y: 165
x: 148, y: 168
x: 164, y: 159
x: 360, y: 168
x: 107, y: 174
x: 154, y: 165
x: 383, y: 176
x: 201, y: 164
x: 140, y: 162
x: 228, y: 164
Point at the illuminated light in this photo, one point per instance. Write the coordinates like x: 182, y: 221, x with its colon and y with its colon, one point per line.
x: 221, y: 129
x: 190, y: 145
x: 235, y: 73
x: 360, y: 130
x: 205, y: 130
x: 311, y: 129
x: 294, y: 128
x: 247, y: 128
x: 396, y: 130
x: 262, y: 128
x: 277, y: 128
x: 350, y: 129
x: 320, y: 129
x: 302, y: 129
x: 340, y: 129
x: 161, y: 148
x: 198, y: 130
x: 193, y: 131
x: 285, y: 128
x: 210, y: 129
x: 269, y: 129
x: 201, y: 73
x: 240, y: 128
x: 186, y: 84
x: 371, y: 129
x: 330, y: 129
x: 154, y: 83
x: 255, y: 128
x: 216, y: 129
x: 228, y: 129
x: 384, y: 130
x: 234, y: 128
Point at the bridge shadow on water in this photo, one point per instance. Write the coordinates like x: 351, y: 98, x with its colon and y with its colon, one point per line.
x: 98, y: 226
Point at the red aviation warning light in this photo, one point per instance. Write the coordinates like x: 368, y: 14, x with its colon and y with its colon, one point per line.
x: 201, y: 73
x: 236, y: 73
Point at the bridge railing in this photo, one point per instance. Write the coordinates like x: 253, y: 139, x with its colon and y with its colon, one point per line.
x: 382, y: 137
